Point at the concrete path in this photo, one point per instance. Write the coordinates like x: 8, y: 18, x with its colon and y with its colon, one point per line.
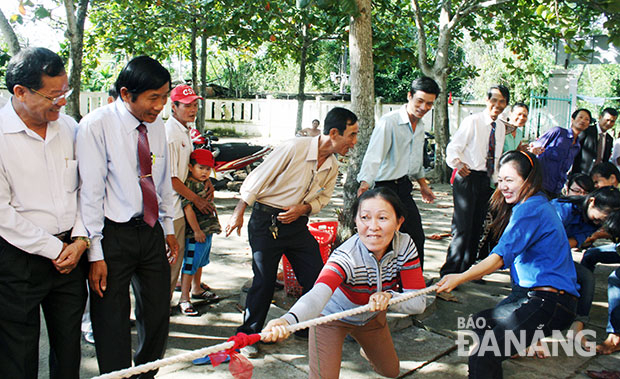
x: 425, y: 344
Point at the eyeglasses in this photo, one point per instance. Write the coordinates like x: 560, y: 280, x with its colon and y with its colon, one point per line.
x: 577, y: 190
x: 54, y: 100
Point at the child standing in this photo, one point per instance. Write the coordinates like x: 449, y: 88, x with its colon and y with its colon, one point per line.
x: 201, y: 227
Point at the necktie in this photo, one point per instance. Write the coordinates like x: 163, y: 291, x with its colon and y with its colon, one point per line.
x: 599, y: 148
x: 149, y: 197
x: 491, y: 152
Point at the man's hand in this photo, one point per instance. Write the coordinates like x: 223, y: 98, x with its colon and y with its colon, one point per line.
x: 236, y: 220
x: 173, y: 248
x: 200, y: 236
x: 462, y: 169
x: 97, y: 277
x: 69, y: 256
x: 205, y: 205
x: 536, y: 150
x: 363, y: 188
x: 427, y: 194
x: 293, y: 213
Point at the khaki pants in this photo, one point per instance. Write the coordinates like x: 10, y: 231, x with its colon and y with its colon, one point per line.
x: 325, y: 347
x: 175, y: 269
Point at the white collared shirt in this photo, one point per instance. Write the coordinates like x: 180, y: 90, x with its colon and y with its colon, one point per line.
x: 179, y: 149
x: 38, y: 184
x: 107, y: 150
x: 470, y: 143
x: 394, y: 150
x: 289, y: 176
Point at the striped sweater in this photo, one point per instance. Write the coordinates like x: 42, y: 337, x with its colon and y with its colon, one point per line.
x: 350, y: 277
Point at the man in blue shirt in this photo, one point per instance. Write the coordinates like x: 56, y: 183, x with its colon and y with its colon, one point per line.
x: 127, y: 205
x: 395, y: 154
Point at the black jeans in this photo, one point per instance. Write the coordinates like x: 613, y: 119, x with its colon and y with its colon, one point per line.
x: 413, y: 222
x: 134, y: 252
x: 471, y: 199
x: 537, y: 310
x: 301, y: 249
x: 28, y: 283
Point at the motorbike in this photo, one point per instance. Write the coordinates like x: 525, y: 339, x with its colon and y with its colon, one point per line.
x: 233, y: 160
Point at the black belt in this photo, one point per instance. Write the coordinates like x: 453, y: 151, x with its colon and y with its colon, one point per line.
x: 266, y: 208
x: 64, y: 236
x: 133, y: 222
x: 400, y: 180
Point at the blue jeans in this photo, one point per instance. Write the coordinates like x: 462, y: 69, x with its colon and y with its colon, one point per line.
x: 553, y: 311
x: 613, y: 295
x: 602, y: 254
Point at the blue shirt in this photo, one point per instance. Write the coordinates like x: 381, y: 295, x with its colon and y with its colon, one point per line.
x: 535, y: 247
x: 575, y: 223
x: 394, y: 150
x: 107, y: 151
x: 558, y: 157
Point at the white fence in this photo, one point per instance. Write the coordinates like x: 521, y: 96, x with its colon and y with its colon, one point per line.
x: 273, y: 118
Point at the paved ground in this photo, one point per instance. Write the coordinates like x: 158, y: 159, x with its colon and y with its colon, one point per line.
x: 425, y: 344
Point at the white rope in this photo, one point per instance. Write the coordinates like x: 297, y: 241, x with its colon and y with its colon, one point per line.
x: 125, y: 373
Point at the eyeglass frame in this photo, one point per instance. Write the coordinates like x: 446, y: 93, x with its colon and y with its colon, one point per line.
x: 54, y: 100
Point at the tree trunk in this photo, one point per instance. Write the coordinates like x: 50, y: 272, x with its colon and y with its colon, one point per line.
x: 203, y: 79
x: 362, y: 104
x: 301, y: 95
x: 9, y: 35
x: 193, y: 57
x: 441, y: 172
x: 75, y: 34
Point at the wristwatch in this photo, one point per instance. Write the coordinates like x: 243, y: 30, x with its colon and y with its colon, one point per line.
x: 85, y: 239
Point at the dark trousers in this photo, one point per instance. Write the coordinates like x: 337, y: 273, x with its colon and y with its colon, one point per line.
x: 536, y: 310
x: 301, y: 249
x: 471, y: 198
x: 26, y: 282
x: 413, y: 222
x: 134, y: 252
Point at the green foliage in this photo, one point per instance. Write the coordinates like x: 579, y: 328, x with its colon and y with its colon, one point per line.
x: 600, y: 81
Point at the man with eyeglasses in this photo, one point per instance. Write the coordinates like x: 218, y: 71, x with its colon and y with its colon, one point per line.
x: 42, y: 238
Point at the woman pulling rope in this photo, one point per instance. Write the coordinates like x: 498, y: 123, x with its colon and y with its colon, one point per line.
x: 349, y: 279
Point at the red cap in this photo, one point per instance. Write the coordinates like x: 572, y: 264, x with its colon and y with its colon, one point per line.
x: 203, y: 157
x: 184, y: 94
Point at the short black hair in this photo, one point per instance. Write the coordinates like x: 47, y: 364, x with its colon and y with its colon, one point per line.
x: 338, y: 118
x: 519, y: 105
x: 582, y: 180
x: 575, y: 113
x: 606, y: 170
x: 384, y: 193
x: 112, y: 92
x: 142, y: 74
x: 502, y: 89
x: 610, y: 111
x: 28, y: 66
x: 425, y: 84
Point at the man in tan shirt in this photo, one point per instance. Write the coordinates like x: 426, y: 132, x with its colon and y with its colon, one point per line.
x: 297, y: 179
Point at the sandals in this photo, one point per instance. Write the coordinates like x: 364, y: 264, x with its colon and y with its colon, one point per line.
x: 187, y: 308
x: 207, y: 295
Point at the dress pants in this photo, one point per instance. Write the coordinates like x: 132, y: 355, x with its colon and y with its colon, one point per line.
x: 471, y: 201
x: 134, y: 252
x: 27, y: 283
x: 301, y: 249
x: 413, y: 222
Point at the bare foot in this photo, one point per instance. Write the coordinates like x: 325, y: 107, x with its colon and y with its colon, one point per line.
x: 574, y: 330
x: 610, y: 345
x: 539, y: 351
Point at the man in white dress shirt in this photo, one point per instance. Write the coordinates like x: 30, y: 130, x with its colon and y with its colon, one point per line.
x: 127, y: 207
x: 474, y: 151
x: 42, y: 238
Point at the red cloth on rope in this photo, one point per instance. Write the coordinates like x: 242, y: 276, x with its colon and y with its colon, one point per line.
x: 240, y: 367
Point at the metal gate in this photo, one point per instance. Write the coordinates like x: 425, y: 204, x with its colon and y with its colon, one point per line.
x: 546, y: 113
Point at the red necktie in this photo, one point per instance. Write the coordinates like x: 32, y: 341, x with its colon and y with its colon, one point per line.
x: 149, y: 196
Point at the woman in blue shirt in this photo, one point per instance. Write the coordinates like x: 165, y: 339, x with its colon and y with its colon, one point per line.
x: 533, y: 244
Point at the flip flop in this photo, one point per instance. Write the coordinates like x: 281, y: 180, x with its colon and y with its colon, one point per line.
x: 205, y: 287
x: 206, y: 295
x: 187, y: 309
